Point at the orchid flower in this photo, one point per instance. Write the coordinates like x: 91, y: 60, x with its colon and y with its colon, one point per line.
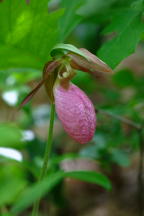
x: 73, y: 107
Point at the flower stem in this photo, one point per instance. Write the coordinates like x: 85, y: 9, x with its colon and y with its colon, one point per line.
x: 46, y: 156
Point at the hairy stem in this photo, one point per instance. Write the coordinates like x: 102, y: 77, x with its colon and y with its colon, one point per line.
x: 46, y: 155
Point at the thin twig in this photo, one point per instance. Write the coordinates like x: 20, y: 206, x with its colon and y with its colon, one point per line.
x: 120, y: 118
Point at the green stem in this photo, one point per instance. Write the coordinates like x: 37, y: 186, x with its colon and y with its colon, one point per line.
x: 46, y: 155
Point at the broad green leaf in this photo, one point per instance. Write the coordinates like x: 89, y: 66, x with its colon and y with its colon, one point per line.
x: 90, y: 176
x: 13, y: 57
x: 120, y: 20
x: 9, y: 189
x: 38, y: 190
x: 12, y: 182
x: 94, y: 7
x: 70, y: 19
x: 27, y: 34
x: 129, y: 30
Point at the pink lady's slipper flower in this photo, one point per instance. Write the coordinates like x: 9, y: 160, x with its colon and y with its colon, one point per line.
x: 73, y: 107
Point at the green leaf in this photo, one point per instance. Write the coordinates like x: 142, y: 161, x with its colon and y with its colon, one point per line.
x: 12, y: 181
x: 129, y: 28
x: 123, y: 78
x: 11, y: 57
x: 90, y: 176
x: 27, y: 34
x: 35, y: 192
x: 13, y: 186
x: 92, y: 7
x: 121, y: 19
x: 11, y: 135
x: 70, y: 19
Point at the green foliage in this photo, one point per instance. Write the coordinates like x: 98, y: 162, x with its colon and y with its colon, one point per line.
x: 28, y: 33
x: 104, y: 151
x: 94, y: 7
x: 70, y: 19
x: 120, y: 157
x: 11, y: 136
x: 38, y: 190
x: 128, y: 26
x: 124, y: 78
x: 35, y: 192
x: 90, y: 176
x: 7, y: 214
x: 11, y: 179
x: 85, y: 81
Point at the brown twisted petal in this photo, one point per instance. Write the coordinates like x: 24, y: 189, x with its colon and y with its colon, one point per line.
x: 49, y: 77
x: 92, y: 65
x: 48, y: 69
x: 31, y: 94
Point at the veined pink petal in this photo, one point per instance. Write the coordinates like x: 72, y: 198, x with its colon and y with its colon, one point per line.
x: 76, y: 112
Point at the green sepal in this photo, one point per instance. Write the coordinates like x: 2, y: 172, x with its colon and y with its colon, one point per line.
x: 62, y: 49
